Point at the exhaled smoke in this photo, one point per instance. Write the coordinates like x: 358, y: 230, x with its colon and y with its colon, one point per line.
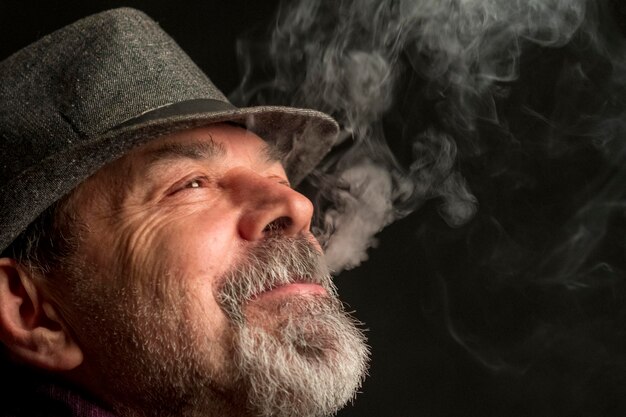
x: 516, y: 106
x: 430, y: 68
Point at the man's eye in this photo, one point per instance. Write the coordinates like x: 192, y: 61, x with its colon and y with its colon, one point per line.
x: 195, y: 183
x: 198, y: 182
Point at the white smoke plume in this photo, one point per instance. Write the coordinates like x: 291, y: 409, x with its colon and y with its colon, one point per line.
x: 510, y: 117
x: 355, y: 59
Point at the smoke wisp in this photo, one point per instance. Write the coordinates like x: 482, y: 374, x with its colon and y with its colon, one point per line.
x: 354, y: 59
x: 508, y: 115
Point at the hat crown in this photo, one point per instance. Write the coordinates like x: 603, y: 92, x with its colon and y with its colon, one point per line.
x: 88, y: 78
x: 86, y: 94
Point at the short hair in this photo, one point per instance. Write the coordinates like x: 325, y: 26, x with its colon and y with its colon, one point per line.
x: 48, y: 241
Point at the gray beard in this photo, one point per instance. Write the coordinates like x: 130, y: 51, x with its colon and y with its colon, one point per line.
x: 311, y: 358
x: 303, y: 356
x: 310, y: 364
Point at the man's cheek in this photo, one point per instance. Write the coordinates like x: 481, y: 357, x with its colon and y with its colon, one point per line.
x: 205, y: 246
x: 138, y: 258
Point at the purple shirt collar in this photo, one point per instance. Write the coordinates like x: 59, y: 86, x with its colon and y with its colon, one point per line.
x: 32, y: 393
x: 78, y: 405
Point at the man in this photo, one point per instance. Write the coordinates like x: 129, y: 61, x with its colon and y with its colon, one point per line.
x: 156, y: 260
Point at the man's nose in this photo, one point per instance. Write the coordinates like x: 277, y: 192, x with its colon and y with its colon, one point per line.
x: 268, y: 206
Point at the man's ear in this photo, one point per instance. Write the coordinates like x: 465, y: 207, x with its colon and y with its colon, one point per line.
x: 30, y: 327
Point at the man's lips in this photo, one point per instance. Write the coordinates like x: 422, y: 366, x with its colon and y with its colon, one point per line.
x: 295, y: 288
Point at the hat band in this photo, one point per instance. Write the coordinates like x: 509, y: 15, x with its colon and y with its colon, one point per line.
x: 181, y: 108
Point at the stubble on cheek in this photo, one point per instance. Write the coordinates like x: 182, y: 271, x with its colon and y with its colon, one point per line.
x: 211, y: 334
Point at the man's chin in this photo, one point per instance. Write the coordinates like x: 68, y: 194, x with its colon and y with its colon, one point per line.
x: 304, y: 322
x: 302, y: 354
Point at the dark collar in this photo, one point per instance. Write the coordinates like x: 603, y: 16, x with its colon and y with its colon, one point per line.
x: 31, y: 393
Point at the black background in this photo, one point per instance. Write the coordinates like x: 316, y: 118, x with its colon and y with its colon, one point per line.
x: 403, y: 293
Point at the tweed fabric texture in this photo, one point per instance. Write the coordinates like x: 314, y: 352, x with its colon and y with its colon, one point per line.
x: 87, y: 93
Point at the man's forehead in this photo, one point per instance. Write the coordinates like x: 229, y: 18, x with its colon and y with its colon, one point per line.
x: 204, y: 148
x: 209, y: 143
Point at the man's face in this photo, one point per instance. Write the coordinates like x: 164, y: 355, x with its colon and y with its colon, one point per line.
x: 198, y: 288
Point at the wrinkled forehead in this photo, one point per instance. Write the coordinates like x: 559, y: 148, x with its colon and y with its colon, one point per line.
x: 209, y: 142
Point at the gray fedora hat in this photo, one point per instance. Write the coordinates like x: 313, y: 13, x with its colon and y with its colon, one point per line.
x: 87, y: 93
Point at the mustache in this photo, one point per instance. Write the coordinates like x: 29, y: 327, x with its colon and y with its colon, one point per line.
x: 273, y: 262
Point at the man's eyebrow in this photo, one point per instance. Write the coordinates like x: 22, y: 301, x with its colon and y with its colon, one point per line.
x: 201, y: 150
x: 204, y: 150
x: 273, y: 153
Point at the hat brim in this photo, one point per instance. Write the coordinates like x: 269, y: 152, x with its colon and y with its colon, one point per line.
x: 306, y: 135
